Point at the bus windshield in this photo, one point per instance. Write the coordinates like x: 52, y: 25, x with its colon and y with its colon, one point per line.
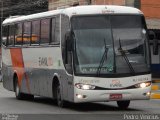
x: 120, y: 32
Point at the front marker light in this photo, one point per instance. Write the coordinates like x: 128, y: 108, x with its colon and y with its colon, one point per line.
x: 84, y: 86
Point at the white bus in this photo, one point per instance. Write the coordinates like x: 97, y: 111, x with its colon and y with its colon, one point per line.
x: 79, y: 54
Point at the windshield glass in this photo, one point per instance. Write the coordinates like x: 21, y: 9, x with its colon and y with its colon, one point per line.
x: 90, y: 32
x: 131, y: 33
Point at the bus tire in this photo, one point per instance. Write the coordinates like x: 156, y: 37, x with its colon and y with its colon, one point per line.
x: 19, y: 95
x: 59, y: 99
x: 123, y: 104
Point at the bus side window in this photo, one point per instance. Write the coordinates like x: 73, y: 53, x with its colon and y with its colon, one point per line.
x: 11, y: 35
x: 27, y: 33
x: 45, y: 31
x: 5, y: 32
x: 35, y: 32
x: 18, y: 34
x: 55, y: 31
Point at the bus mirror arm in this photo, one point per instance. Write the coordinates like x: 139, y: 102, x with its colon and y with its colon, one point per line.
x: 68, y: 40
x: 155, y: 46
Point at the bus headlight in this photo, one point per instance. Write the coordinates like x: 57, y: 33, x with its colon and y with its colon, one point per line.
x: 84, y: 86
x: 143, y: 85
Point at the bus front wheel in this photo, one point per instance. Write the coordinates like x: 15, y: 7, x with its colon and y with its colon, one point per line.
x: 19, y: 95
x: 123, y: 104
x: 60, y: 101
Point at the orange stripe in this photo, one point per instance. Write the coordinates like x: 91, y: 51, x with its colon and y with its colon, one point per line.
x: 18, y: 65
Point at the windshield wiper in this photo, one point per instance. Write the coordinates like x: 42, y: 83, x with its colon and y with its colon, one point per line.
x: 123, y: 53
x: 102, y: 59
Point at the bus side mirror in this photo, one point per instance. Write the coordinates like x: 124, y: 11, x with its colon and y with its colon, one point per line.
x: 4, y: 42
x: 152, y: 37
x: 155, y: 46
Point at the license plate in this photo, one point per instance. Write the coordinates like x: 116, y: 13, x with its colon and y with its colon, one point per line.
x: 115, y: 96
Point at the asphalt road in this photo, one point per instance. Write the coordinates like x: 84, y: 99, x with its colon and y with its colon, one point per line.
x: 44, y: 108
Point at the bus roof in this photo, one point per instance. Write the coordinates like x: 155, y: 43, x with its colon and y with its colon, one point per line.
x: 78, y: 10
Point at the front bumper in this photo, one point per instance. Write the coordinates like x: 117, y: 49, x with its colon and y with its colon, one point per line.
x: 104, y: 95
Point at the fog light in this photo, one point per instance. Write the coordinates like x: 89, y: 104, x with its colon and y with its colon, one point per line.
x: 147, y: 94
x: 80, y: 96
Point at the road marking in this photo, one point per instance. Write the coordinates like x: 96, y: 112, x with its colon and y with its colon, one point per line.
x: 155, y: 90
x: 155, y: 96
x: 155, y: 87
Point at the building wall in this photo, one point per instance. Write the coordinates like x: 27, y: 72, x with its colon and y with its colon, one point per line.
x: 53, y: 4
x: 151, y: 8
x: 129, y: 2
x: 109, y: 2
